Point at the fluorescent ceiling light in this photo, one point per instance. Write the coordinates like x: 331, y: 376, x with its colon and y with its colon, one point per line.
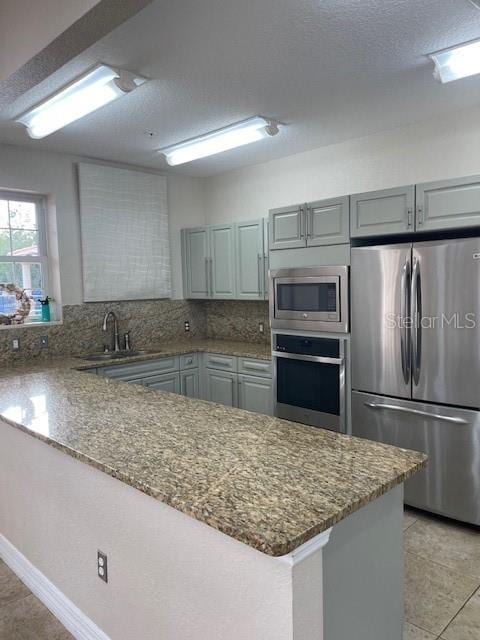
x: 235, y: 135
x: 89, y: 92
x: 457, y: 62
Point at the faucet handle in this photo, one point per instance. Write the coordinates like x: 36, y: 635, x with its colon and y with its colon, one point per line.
x: 126, y: 337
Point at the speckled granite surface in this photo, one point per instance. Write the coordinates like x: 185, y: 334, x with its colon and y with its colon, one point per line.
x: 266, y: 482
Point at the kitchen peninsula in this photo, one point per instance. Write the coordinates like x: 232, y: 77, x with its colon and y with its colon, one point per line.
x: 217, y: 522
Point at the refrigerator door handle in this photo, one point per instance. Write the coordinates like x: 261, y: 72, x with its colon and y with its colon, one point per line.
x: 416, y: 305
x: 416, y: 412
x: 405, y: 346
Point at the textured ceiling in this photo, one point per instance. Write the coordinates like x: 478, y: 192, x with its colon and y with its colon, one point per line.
x: 329, y: 69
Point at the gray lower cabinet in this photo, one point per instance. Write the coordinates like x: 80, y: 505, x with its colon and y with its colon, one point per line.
x: 255, y: 394
x: 233, y: 381
x: 221, y: 387
x: 382, y: 212
x: 250, y: 256
x: 165, y: 382
x: 448, y: 204
x: 189, y: 383
x: 328, y: 222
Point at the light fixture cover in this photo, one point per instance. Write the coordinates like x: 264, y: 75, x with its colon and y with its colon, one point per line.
x: 235, y: 135
x: 457, y: 62
x: 89, y: 92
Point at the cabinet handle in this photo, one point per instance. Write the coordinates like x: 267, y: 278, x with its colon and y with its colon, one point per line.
x: 211, y: 276
x: 206, y: 277
x: 420, y: 215
x: 308, y: 221
x: 409, y: 217
x: 302, y: 233
x: 265, y: 276
x: 259, y: 275
x: 219, y: 361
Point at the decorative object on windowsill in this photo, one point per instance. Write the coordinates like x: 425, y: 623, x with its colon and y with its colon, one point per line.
x: 45, y: 309
x: 23, y: 305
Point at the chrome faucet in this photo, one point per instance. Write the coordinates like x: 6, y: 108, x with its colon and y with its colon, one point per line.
x: 108, y: 315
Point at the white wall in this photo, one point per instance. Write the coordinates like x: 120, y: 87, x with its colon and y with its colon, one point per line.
x: 54, y: 175
x: 171, y: 577
x: 443, y: 147
x: 28, y: 26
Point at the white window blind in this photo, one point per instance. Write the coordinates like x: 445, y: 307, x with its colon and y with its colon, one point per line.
x: 125, y: 241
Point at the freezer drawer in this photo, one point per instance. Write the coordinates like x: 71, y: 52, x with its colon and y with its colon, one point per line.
x: 450, y: 485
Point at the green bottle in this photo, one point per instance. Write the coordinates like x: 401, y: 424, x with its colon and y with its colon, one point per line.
x: 45, y: 309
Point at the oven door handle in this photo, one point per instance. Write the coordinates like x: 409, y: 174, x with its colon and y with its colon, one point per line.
x: 299, y: 356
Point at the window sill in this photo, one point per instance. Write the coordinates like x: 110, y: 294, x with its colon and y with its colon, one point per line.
x: 30, y: 325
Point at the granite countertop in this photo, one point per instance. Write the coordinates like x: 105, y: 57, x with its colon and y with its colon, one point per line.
x: 266, y: 482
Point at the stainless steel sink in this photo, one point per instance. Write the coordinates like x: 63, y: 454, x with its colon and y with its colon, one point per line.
x: 112, y: 355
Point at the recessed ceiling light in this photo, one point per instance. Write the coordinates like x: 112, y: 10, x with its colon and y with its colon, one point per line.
x: 235, y: 135
x: 89, y: 92
x: 457, y: 62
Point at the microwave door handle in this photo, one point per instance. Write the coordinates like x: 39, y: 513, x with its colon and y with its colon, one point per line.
x: 299, y: 356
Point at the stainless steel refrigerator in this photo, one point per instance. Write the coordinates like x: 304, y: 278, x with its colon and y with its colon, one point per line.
x: 416, y: 364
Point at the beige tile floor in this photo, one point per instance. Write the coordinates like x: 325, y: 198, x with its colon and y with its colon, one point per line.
x: 442, y: 590
x: 22, y: 616
x: 442, y: 579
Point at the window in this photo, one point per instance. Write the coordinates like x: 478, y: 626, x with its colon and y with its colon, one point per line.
x: 23, y: 251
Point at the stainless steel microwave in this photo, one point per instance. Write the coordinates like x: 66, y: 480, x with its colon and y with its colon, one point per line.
x: 312, y: 299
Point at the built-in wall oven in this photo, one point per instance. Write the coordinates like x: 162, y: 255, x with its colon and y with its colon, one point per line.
x: 309, y: 380
x: 309, y: 299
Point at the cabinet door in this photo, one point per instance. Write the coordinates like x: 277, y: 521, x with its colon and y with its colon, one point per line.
x: 196, y: 265
x: 382, y: 212
x: 448, y: 204
x: 222, y: 387
x: 287, y: 228
x: 222, y: 261
x: 250, y: 260
x: 189, y: 383
x: 328, y: 222
x: 255, y: 394
x: 165, y: 382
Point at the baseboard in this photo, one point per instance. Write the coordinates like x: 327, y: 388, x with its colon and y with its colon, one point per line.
x: 74, y: 620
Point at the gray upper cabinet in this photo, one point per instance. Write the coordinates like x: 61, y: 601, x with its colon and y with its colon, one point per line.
x: 222, y: 261
x: 286, y: 228
x: 250, y: 260
x: 382, y: 212
x: 313, y: 224
x: 196, y: 262
x: 448, y: 204
x: 328, y: 221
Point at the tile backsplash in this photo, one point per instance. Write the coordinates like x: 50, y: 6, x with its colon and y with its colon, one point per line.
x: 150, y: 322
x: 237, y: 320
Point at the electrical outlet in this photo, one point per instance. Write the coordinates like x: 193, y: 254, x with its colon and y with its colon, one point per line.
x: 102, y: 569
x: 16, y: 344
x: 187, y: 325
x: 44, y: 342
x: 261, y: 327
